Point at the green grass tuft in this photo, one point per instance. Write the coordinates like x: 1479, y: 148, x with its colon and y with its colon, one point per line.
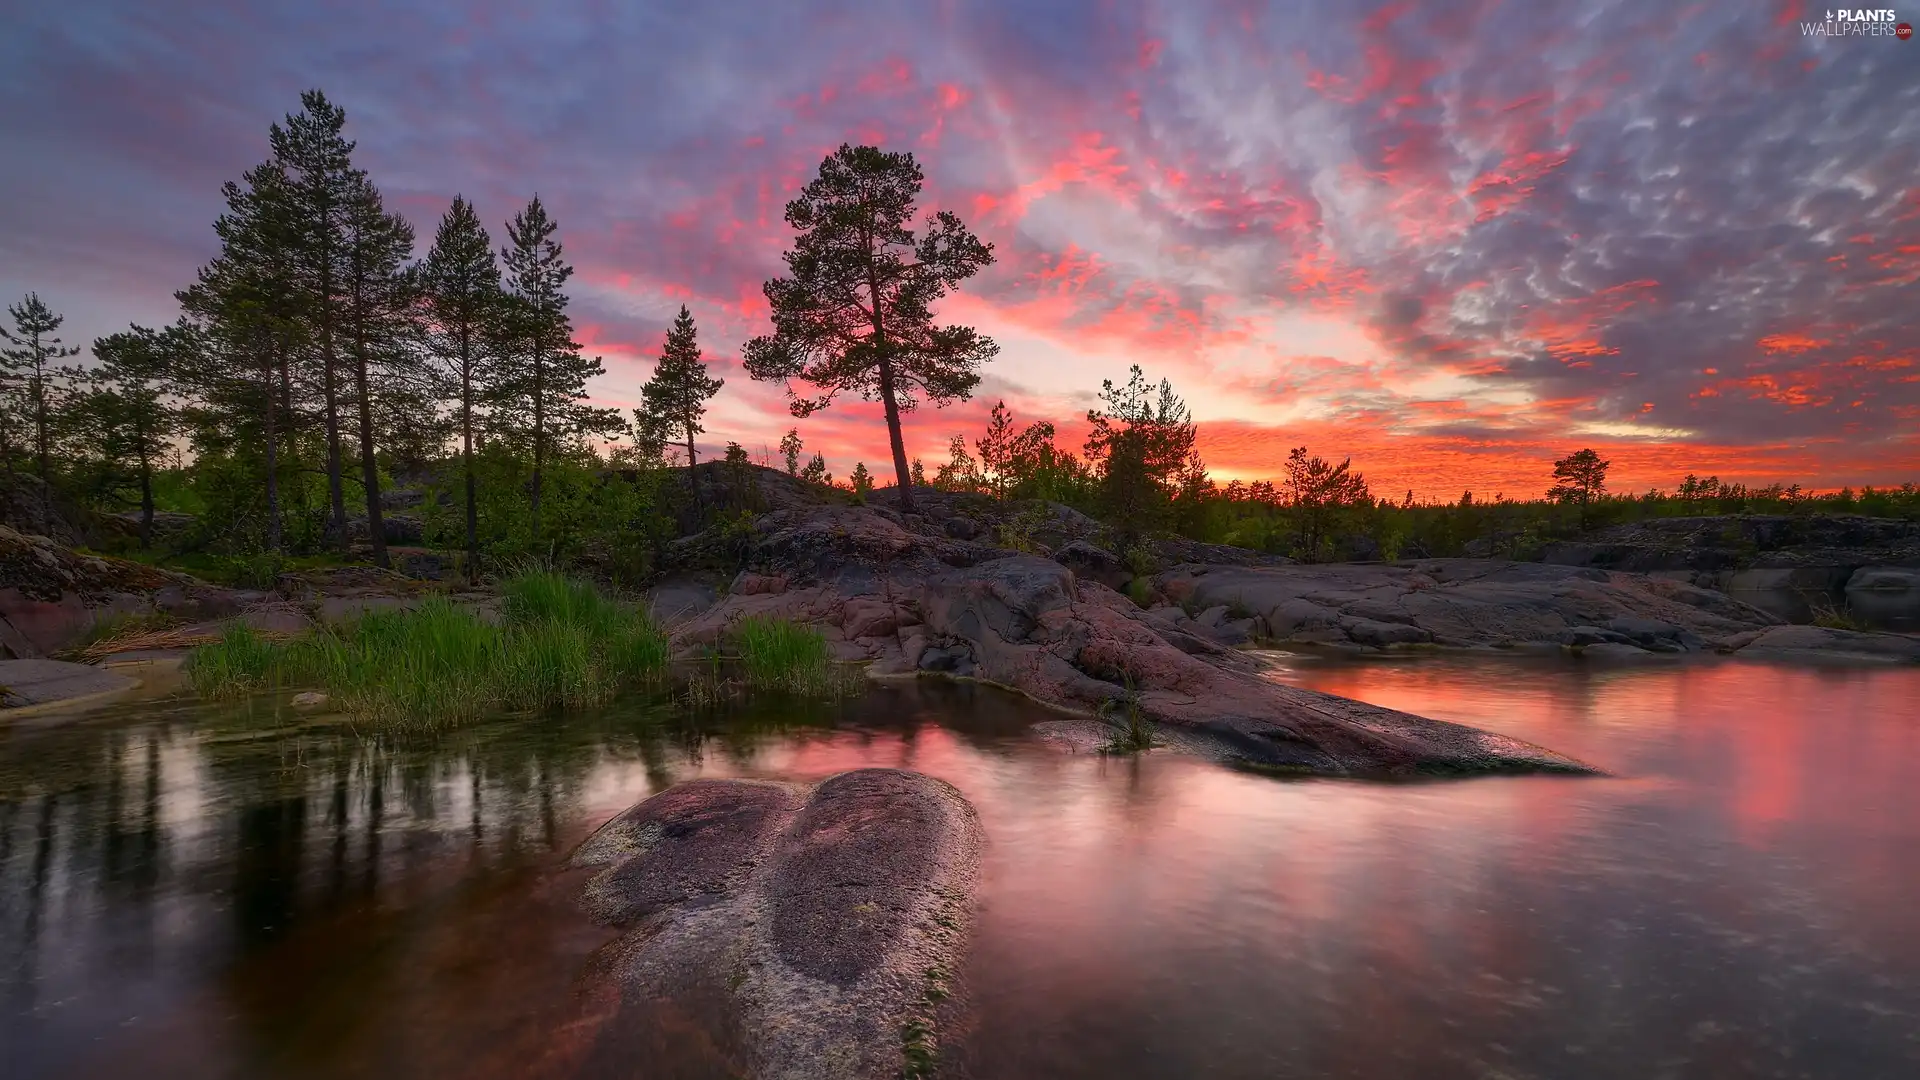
x: 561, y: 644
x: 790, y: 657
x: 241, y: 662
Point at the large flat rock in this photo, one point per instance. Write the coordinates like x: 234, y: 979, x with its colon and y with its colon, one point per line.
x: 812, y: 932
x: 1468, y: 603
x: 45, y: 682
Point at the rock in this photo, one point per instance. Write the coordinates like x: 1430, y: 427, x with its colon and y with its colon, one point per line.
x: 1885, y: 579
x: 1090, y: 563
x: 1027, y: 623
x: 309, y: 699
x: 962, y: 528
x: 1822, y: 643
x: 1756, y: 552
x: 746, y: 584
x: 1466, y: 603
x: 1608, y: 650
x: 672, y: 601
x: 871, y: 617
x: 953, y: 659
x: 45, y: 682
x: 337, y: 609
x: 33, y: 628
x: 1213, y: 616
x: 824, y: 925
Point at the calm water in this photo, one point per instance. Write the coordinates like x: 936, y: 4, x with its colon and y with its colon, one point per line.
x: 196, y: 893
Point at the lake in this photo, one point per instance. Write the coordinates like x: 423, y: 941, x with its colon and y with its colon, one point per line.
x: 191, y: 891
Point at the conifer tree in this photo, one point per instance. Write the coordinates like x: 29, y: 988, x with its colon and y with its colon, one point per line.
x: 322, y: 186
x: 790, y: 447
x: 996, y: 450
x: 856, y: 314
x: 677, y: 394
x: 379, y: 297
x: 460, y: 288
x: 126, y: 415
x: 244, y: 328
x: 547, y: 372
x: 30, y: 363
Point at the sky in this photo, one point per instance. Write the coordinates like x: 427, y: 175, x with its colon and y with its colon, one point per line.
x: 1452, y: 240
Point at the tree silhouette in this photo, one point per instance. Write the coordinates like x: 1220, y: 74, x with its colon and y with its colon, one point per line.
x: 855, y: 314
x: 460, y: 290
x: 29, y: 367
x: 676, y: 396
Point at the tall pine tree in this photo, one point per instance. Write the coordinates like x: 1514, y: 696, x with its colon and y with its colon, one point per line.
x: 677, y: 394
x: 546, y: 369
x: 127, y: 417
x: 856, y: 314
x: 244, y: 330
x: 460, y: 287
x: 378, y: 314
x: 38, y: 382
x: 322, y: 186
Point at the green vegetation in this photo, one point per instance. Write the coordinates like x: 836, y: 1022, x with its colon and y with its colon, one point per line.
x: 1133, y: 732
x: 780, y: 655
x: 1826, y: 613
x: 559, y: 644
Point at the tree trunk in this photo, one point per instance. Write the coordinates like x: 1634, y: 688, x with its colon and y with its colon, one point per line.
x: 900, y: 470
x: 336, y: 493
x: 902, y: 476
x: 273, y: 465
x: 466, y: 454
x: 369, y: 468
x: 329, y: 368
x: 42, y: 457
x: 146, y: 496
x: 693, y: 481
x: 539, y: 433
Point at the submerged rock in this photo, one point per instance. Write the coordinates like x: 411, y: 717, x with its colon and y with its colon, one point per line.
x: 813, y: 930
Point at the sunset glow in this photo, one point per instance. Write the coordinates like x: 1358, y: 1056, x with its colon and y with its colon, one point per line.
x: 1451, y: 240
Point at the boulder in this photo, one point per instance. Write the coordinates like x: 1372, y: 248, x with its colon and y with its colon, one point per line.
x: 813, y: 932
x: 1885, y: 579
x: 1092, y: 563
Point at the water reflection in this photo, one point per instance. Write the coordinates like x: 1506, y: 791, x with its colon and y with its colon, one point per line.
x: 245, y: 893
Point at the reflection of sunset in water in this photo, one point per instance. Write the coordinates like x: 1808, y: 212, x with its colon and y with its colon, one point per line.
x: 180, y: 898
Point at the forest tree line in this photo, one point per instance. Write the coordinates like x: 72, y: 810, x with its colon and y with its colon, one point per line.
x: 320, y: 355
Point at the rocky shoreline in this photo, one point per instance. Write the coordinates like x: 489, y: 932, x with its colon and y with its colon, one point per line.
x: 933, y: 592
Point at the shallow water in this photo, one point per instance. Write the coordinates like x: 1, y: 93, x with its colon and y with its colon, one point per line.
x: 194, y: 892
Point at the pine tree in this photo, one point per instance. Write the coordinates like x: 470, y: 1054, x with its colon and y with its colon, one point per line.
x: 857, y: 312
x: 322, y: 187
x: 460, y: 288
x: 1140, y: 440
x: 677, y: 394
x: 126, y: 416
x: 816, y: 472
x: 790, y: 447
x: 861, y: 479
x: 44, y: 387
x: 547, y: 371
x: 244, y: 329
x: 996, y: 450
x: 379, y: 295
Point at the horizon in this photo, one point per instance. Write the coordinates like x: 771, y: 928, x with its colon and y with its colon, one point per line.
x: 1452, y: 244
